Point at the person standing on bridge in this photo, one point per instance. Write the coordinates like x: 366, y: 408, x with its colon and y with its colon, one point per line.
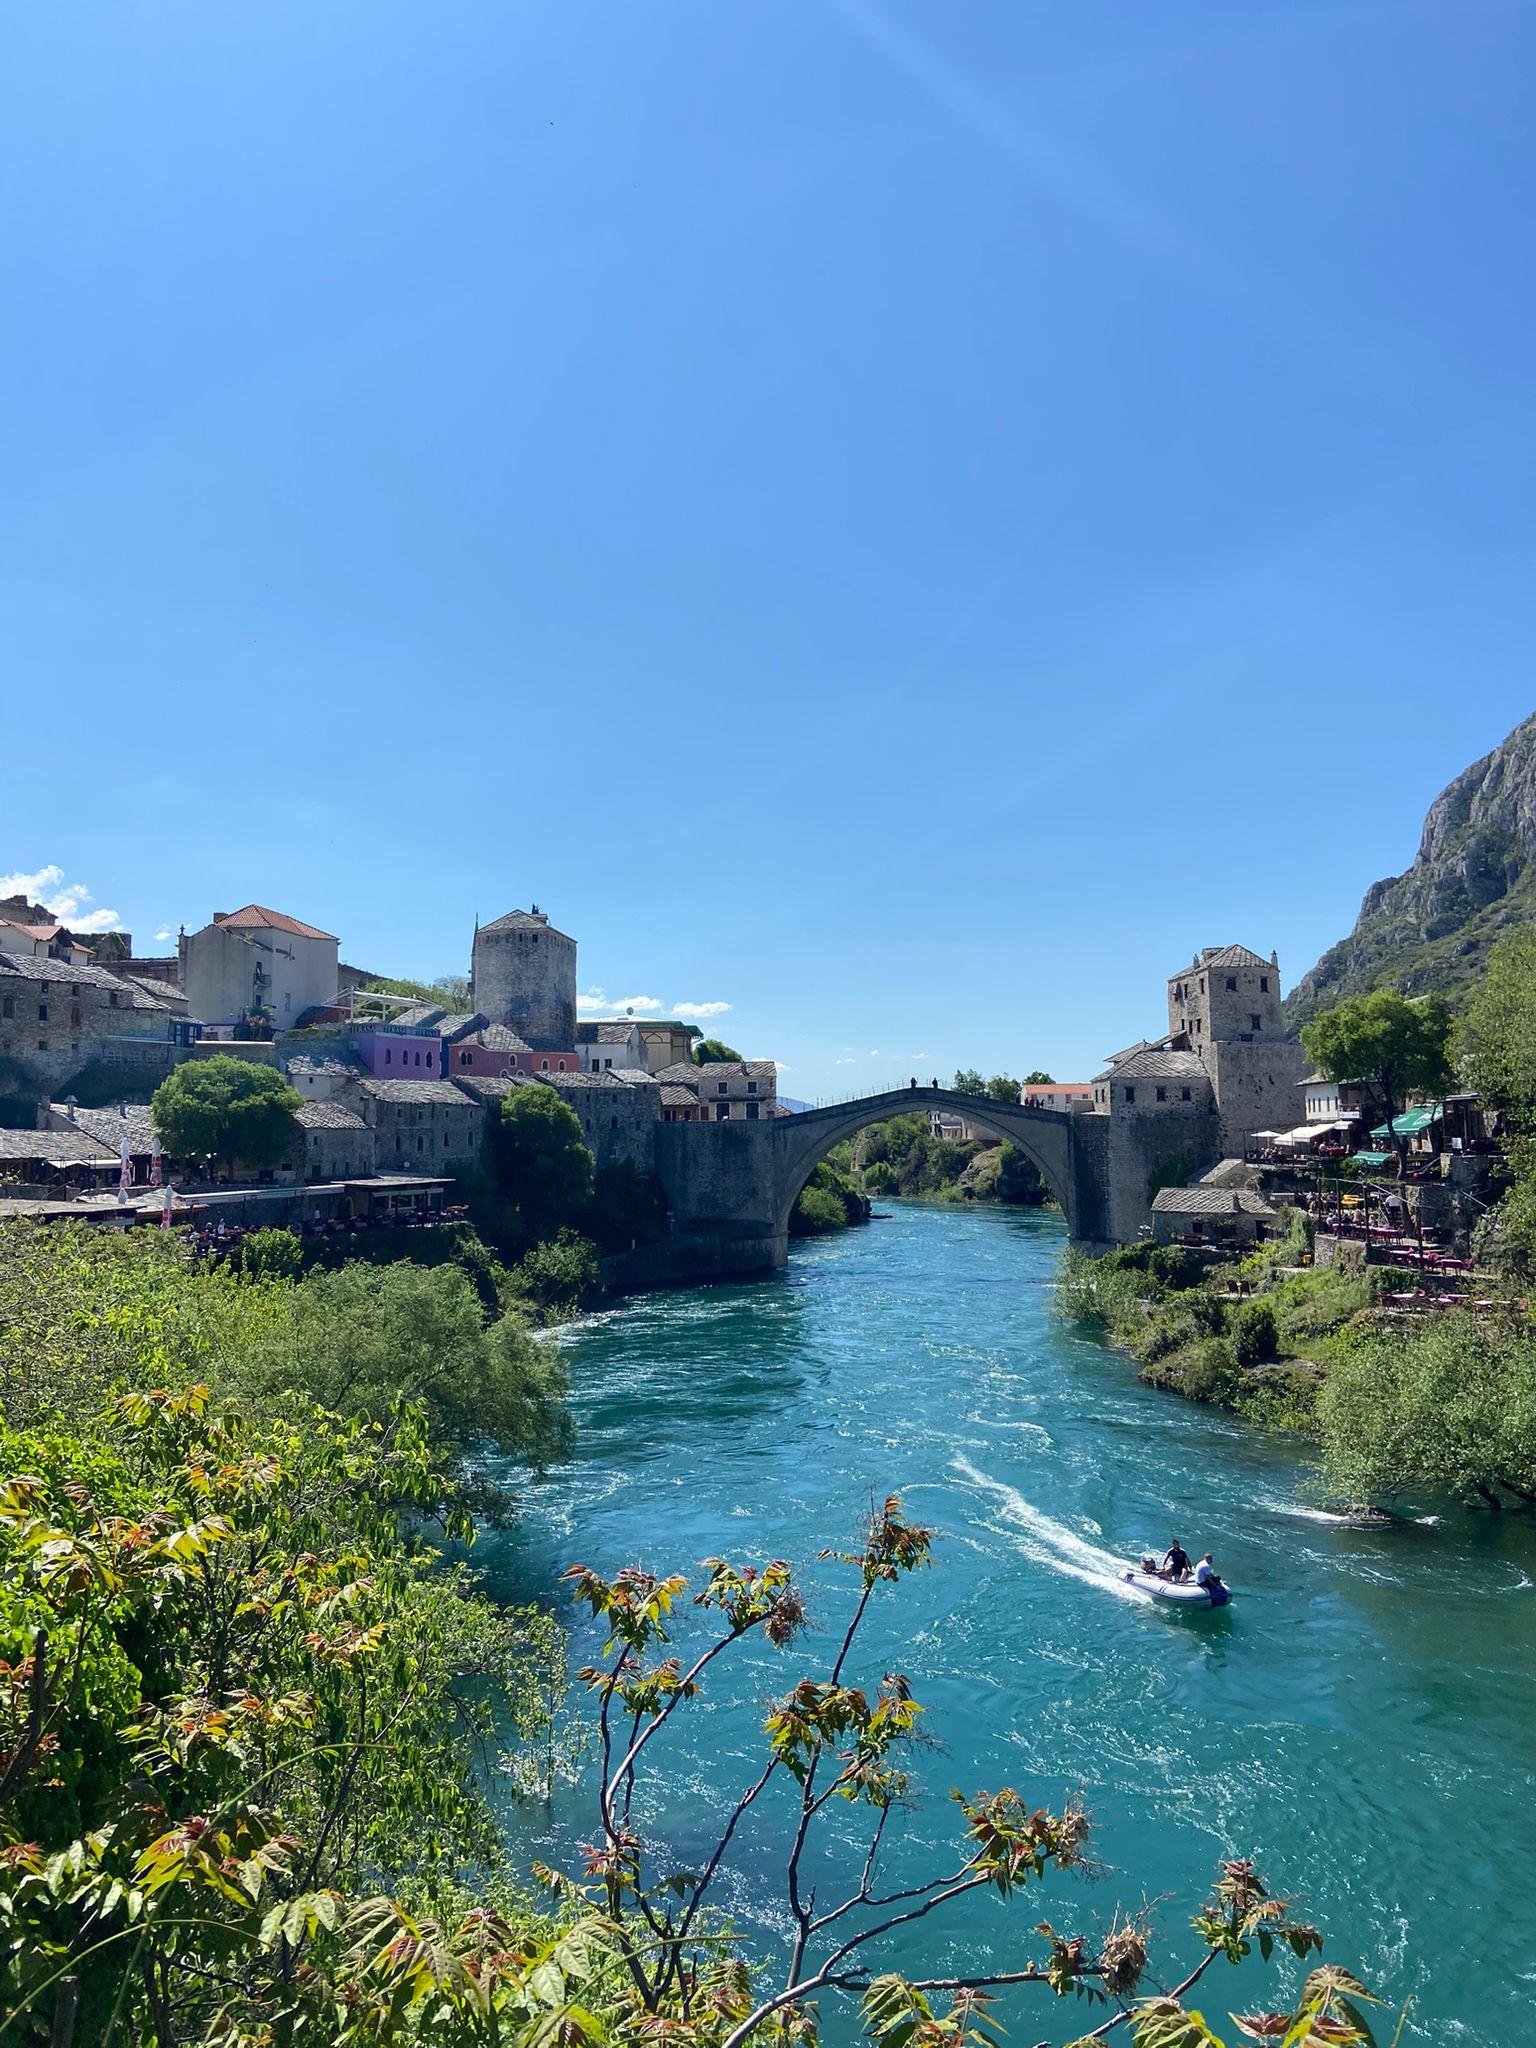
x: 914, y: 1080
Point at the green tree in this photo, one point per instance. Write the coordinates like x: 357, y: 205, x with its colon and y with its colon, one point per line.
x: 713, y: 1051
x: 1038, y: 1078
x: 1449, y: 1407
x: 1001, y: 1089
x: 1495, y: 1037
x: 969, y: 1081
x: 232, y: 1111
x: 557, y: 1277
x: 361, y: 1340
x: 538, y: 1164
x: 1398, y: 1045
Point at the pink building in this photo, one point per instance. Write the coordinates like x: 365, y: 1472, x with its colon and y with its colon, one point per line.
x: 496, y: 1051
x: 399, y: 1055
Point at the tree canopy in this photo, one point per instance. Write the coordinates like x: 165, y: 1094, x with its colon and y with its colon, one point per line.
x: 233, y: 1111
x: 969, y: 1081
x: 713, y: 1052
x: 539, y: 1163
x: 1399, y: 1046
x: 1496, y: 1033
x: 1037, y: 1077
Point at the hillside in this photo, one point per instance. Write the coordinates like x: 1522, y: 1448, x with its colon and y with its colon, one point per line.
x: 1474, y: 877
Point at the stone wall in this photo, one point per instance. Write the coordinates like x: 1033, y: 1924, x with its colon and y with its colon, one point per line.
x: 1258, y: 1087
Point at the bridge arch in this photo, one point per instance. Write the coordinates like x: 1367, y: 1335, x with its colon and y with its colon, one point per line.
x: 802, y: 1141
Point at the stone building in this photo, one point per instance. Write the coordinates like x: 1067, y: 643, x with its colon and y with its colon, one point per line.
x: 66, y: 1028
x: 523, y: 975
x: 334, y: 1143
x: 1225, y: 1007
x: 1213, y: 1215
x: 257, y: 963
x: 422, y: 1126
x: 722, y: 1091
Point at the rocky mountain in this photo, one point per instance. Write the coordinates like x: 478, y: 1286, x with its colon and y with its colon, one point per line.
x: 1474, y: 877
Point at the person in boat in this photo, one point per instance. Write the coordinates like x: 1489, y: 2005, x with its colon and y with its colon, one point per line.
x: 1206, y: 1575
x: 1175, y: 1565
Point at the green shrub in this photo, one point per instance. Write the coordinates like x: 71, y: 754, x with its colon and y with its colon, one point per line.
x: 1203, y: 1371
x: 270, y: 1255
x: 557, y: 1277
x: 1255, y: 1334
x: 817, y: 1212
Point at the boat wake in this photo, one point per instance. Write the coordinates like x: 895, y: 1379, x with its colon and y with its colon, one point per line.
x: 1049, y: 1542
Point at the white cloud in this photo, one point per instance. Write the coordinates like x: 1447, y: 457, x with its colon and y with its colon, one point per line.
x: 845, y: 1063
x: 64, y: 900
x: 598, y: 1003
x: 164, y: 933
x: 700, y: 1009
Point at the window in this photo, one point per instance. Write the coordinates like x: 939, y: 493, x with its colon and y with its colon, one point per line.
x: 466, y: 1059
x: 613, y: 1123
x: 751, y: 1087
x: 722, y: 1112
x: 751, y: 1112
x: 1130, y: 1094
x: 42, y: 1045
x: 42, y: 1013
x: 388, y: 1055
x: 418, y: 1059
x: 1162, y: 1094
x: 112, y: 999
x: 1264, y: 984
x: 1183, y: 1095
x: 543, y: 1066
x: 722, y: 1087
x: 1255, y: 1023
x: 74, y: 1015
x: 8, y: 1007
x: 1202, y: 984
x: 1232, y: 981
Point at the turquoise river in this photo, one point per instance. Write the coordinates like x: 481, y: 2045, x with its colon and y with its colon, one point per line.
x: 1362, y: 1720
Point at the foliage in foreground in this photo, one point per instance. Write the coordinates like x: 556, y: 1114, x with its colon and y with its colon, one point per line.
x: 259, y: 1839
x: 235, y: 1698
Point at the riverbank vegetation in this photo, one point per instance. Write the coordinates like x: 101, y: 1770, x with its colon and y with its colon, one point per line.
x: 258, y: 1720
x: 1394, y: 1403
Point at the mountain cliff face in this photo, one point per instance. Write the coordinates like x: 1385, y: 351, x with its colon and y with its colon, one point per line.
x: 1474, y: 877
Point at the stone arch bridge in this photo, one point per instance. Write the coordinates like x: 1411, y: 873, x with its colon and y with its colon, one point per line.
x: 731, y: 1186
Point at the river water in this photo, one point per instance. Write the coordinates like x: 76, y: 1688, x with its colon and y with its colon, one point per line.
x: 1362, y: 1719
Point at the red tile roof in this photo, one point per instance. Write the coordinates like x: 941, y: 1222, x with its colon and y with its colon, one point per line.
x: 256, y: 917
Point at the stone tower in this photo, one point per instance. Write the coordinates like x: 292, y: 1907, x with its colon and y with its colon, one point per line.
x: 1225, y: 1006
x: 523, y: 975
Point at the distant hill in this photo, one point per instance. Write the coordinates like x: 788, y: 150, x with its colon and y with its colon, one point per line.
x: 1475, y: 877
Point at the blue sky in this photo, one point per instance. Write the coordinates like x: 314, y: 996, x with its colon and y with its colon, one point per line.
x: 904, y: 517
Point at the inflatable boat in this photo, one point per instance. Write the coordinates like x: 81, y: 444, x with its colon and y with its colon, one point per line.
x: 1185, y: 1594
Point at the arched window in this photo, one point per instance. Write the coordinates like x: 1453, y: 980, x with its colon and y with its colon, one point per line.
x: 388, y: 1055
x: 543, y: 1066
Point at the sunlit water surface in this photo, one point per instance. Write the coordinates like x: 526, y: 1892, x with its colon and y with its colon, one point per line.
x: 1360, y: 1720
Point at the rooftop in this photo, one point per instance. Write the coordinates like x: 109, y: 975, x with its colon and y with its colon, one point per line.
x: 58, y: 1148
x: 109, y: 1127
x: 525, y: 921
x: 257, y: 917
x: 327, y: 1116
x: 1209, y: 1201
x: 597, y: 1032
x: 1222, y: 956
x: 720, y: 1070
x: 411, y: 1091
x: 63, y: 973
x: 1156, y: 1064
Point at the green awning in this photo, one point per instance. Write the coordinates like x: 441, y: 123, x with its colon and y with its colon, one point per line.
x: 1370, y: 1158
x: 1411, y: 1121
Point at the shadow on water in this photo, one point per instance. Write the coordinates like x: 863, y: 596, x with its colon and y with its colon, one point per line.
x: 1360, y: 1719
